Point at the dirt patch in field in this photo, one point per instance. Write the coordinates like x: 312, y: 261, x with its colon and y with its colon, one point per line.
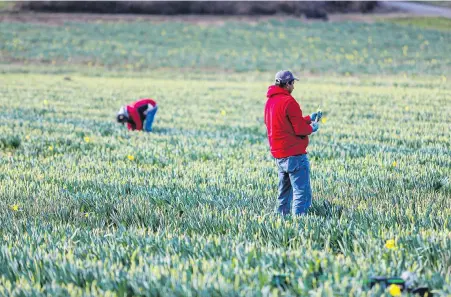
x: 61, y: 18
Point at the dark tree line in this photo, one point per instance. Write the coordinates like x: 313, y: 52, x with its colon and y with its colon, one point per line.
x: 314, y: 9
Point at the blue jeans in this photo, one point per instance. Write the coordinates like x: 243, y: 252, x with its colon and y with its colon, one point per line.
x: 149, y: 119
x: 294, y: 185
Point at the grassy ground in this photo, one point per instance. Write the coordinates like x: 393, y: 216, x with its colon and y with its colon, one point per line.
x: 201, y: 189
x: 6, y: 5
x: 343, y: 48
x: 437, y: 23
x: 437, y: 3
x: 88, y: 208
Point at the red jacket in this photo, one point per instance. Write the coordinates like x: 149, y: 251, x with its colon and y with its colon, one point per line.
x: 136, y: 113
x: 287, y: 128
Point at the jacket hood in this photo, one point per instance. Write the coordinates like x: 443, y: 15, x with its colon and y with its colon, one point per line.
x: 276, y: 90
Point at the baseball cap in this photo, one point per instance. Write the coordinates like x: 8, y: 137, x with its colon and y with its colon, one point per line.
x: 284, y: 76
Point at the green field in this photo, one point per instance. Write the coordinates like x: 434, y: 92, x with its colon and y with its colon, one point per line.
x: 344, y: 48
x: 88, y: 208
x: 439, y: 23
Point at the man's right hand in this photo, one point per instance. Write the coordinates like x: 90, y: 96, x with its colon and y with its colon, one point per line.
x: 315, y: 126
x: 316, y: 116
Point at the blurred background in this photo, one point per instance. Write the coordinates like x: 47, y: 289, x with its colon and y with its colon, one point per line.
x: 308, y: 9
x: 341, y: 37
x: 317, y: 9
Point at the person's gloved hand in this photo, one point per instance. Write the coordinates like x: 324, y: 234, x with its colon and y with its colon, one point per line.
x: 149, y: 108
x: 316, y: 116
x: 315, y: 126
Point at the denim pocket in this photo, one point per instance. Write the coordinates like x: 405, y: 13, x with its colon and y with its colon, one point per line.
x: 282, y: 164
x: 293, y: 164
x: 296, y: 163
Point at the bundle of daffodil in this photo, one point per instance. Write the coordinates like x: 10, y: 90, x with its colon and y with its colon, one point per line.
x: 394, y: 290
x: 390, y: 244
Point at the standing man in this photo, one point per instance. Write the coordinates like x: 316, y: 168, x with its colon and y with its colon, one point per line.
x: 138, y: 115
x: 288, y: 134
